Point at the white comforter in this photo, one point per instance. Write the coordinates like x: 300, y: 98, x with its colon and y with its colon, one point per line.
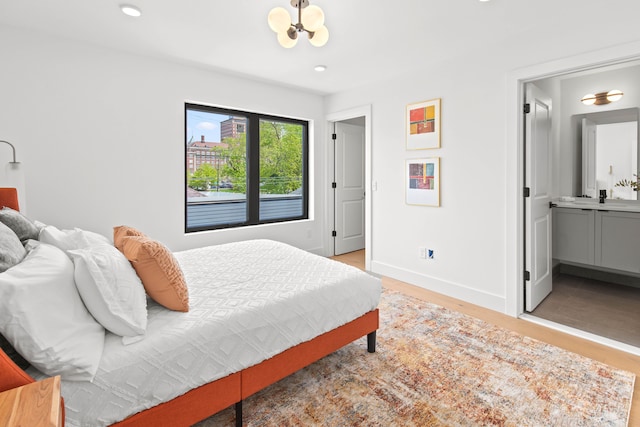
x: 248, y: 302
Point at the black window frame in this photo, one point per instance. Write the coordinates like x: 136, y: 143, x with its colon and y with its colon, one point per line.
x: 252, y: 129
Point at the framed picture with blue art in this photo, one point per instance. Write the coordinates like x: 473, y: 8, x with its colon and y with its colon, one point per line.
x: 423, y: 181
x: 423, y: 125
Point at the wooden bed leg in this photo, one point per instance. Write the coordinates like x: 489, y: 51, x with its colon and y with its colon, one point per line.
x: 239, y: 414
x: 371, y: 342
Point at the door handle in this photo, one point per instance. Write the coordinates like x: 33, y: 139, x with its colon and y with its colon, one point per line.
x: 552, y: 205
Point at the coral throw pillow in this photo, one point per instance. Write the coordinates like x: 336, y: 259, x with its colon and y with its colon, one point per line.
x: 122, y: 231
x: 159, y: 271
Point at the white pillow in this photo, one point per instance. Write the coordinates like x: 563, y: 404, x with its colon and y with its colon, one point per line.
x: 111, y: 289
x: 70, y: 239
x: 94, y: 238
x: 43, y: 317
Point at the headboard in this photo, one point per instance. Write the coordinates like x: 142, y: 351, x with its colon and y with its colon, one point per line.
x: 11, y: 375
x: 9, y: 198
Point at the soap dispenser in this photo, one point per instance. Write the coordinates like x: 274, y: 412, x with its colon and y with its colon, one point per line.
x: 603, y: 195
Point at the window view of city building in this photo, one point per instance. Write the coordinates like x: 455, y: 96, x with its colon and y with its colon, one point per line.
x: 243, y: 168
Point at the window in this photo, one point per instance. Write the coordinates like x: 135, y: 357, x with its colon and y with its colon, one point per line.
x: 243, y: 168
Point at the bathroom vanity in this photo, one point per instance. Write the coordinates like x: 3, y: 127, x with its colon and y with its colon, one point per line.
x: 602, y: 235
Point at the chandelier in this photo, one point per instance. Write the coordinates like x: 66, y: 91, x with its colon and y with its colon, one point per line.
x: 310, y: 20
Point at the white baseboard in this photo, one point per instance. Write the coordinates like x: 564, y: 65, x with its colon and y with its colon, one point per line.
x: 454, y: 290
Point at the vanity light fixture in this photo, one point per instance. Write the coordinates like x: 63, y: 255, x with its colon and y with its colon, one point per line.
x: 310, y: 20
x: 602, y: 98
x: 130, y: 10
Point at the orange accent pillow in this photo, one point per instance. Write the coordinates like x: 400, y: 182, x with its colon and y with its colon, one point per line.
x: 159, y: 271
x: 123, y: 231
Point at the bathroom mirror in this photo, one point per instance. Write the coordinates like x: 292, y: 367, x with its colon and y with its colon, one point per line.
x: 610, y: 152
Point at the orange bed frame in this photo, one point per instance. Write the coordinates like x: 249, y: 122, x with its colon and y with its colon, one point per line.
x: 209, y: 399
x: 204, y: 401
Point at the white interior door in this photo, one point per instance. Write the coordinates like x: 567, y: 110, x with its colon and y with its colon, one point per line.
x: 538, y: 227
x: 589, y: 185
x: 349, y: 188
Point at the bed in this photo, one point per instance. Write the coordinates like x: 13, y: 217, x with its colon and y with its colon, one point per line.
x: 258, y: 311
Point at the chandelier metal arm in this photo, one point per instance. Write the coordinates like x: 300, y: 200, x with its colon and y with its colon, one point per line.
x: 292, y: 32
x: 298, y: 28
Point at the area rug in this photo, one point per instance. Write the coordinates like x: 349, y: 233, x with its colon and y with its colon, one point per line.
x: 437, y: 367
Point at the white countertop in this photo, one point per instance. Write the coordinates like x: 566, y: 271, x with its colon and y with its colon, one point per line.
x: 608, y: 205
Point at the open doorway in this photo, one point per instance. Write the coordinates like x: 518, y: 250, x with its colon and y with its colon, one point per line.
x: 595, y: 291
x: 348, y: 185
x: 349, y: 200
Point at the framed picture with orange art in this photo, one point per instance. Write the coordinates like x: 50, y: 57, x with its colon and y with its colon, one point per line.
x: 423, y: 125
x: 423, y: 182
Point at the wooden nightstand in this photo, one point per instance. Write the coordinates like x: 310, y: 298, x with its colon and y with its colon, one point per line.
x: 33, y: 405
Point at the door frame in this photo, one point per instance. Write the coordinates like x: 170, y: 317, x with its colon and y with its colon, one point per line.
x: 362, y: 111
x: 516, y: 81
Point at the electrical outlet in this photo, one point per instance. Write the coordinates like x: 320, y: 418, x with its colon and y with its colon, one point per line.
x: 422, y: 253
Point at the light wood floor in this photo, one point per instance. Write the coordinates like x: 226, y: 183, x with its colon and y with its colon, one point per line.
x: 594, y: 306
x: 612, y: 357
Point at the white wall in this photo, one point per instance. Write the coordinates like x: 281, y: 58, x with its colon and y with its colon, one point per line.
x: 100, y: 135
x: 473, y: 231
x: 467, y: 231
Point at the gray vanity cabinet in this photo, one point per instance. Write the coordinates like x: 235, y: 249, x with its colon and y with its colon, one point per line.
x: 618, y: 240
x: 574, y: 235
x: 601, y: 238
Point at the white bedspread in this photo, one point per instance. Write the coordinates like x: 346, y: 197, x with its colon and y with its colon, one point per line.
x: 248, y: 302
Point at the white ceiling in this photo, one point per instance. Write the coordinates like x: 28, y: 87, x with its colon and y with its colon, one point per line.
x: 369, y: 40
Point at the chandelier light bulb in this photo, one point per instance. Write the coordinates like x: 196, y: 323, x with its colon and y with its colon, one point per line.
x: 286, y: 41
x: 312, y: 18
x: 279, y: 20
x: 320, y: 37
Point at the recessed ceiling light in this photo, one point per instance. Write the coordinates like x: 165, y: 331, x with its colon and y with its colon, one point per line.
x: 127, y: 9
x: 320, y: 68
